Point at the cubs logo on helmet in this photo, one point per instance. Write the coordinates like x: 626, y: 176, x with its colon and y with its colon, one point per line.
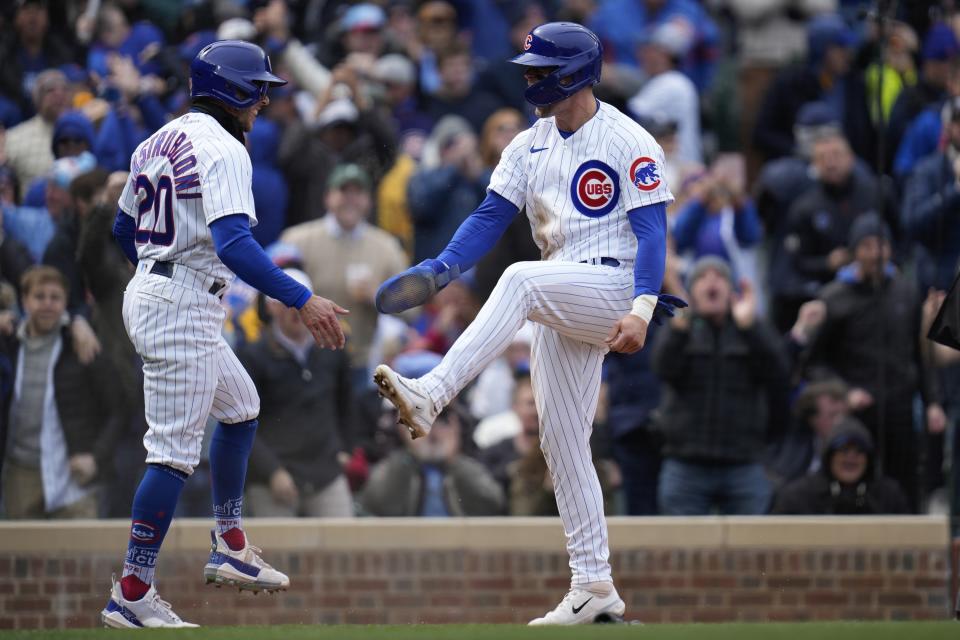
x: 142, y: 531
x: 644, y: 174
x: 595, y: 189
x: 527, y: 41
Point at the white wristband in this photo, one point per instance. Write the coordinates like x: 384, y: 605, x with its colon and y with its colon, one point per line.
x: 643, y: 307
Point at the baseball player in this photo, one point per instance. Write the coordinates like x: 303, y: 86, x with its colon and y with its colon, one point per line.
x: 184, y: 221
x: 591, y: 181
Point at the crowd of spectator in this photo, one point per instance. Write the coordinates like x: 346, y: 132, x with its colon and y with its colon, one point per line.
x: 813, y: 147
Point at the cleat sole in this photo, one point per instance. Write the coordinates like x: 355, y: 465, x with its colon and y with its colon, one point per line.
x: 386, y: 390
x: 255, y: 587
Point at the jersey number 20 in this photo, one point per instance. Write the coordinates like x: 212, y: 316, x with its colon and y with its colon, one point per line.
x: 155, y: 228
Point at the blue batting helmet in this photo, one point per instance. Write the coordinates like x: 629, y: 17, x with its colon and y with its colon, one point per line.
x: 573, y: 49
x: 234, y: 72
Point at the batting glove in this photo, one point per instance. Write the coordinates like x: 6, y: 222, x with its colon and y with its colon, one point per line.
x: 414, y: 286
x: 667, y: 306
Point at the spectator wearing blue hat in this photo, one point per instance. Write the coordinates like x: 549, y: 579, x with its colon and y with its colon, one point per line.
x: 846, y: 482
x: 72, y: 135
x: 27, y: 50
x: 940, y: 47
x: 826, y: 76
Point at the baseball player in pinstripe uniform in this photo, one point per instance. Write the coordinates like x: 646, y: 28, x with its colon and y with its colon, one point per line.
x: 591, y: 182
x: 184, y: 221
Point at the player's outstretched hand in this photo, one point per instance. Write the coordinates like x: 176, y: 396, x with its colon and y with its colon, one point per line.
x: 320, y: 316
x: 628, y: 335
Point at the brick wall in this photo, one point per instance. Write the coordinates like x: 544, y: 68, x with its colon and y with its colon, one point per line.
x: 374, y: 584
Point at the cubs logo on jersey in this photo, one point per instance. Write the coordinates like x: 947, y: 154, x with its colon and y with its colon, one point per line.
x: 644, y: 174
x: 595, y: 189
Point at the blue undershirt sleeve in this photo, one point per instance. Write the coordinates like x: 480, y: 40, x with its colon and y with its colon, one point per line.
x: 479, y: 232
x: 124, y: 230
x: 240, y: 252
x: 649, y: 224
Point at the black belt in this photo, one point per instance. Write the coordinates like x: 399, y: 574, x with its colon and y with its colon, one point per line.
x: 607, y: 262
x: 165, y: 269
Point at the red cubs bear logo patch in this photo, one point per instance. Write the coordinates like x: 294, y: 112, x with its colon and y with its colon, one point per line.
x: 644, y: 174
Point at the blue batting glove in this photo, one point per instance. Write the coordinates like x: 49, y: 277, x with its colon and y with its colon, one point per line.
x: 414, y: 286
x: 666, y: 306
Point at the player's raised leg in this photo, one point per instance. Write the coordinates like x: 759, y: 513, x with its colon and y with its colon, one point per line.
x: 565, y: 373
x: 579, y: 300
x: 233, y: 560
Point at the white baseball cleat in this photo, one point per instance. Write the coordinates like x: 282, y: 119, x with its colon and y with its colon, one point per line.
x: 244, y: 569
x: 415, y: 407
x: 149, y: 611
x: 583, y: 607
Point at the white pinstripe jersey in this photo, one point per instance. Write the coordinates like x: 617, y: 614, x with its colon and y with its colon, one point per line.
x: 578, y: 190
x: 182, y: 178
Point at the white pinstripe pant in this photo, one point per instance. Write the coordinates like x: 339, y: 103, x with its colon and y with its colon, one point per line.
x: 189, y: 371
x: 574, y: 307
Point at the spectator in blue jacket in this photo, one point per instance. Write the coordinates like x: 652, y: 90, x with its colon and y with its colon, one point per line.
x: 931, y: 207
x: 940, y: 46
x: 923, y: 133
x: 719, y: 219
x: 446, y: 190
